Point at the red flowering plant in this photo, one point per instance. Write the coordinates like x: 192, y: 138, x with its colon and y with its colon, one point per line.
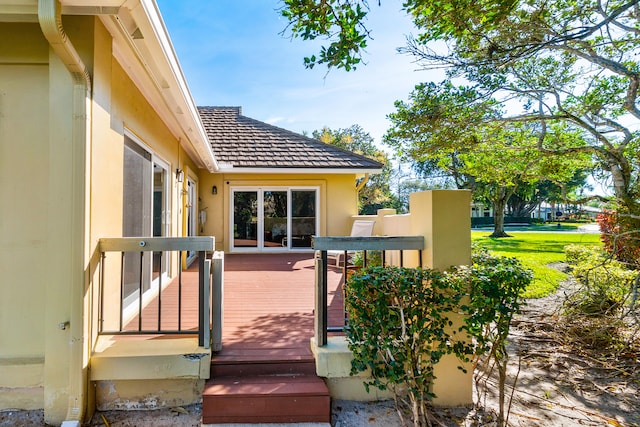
x: 620, y: 235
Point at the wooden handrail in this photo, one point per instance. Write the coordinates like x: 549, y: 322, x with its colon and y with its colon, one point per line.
x: 156, y: 244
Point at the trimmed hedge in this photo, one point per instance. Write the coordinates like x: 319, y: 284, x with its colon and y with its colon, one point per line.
x: 488, y: 220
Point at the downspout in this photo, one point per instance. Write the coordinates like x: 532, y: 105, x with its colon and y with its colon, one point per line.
x: 360, y: 187
x: 50, y: 18
x: 362, y: 183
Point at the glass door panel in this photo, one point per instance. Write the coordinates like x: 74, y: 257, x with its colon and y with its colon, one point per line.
x: 245, y: 219
x: 274, y: 209
x: 303, y: 217
x: 160, y: 209
x: 137, y: 217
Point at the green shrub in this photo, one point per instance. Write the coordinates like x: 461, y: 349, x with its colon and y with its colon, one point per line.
x: 576, y: 254
x: 400, y: 323
x: 374, y: 258
x: 606, y: 283
x: 496, y: 284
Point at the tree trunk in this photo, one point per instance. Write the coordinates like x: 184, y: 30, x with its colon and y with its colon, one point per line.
x: 499, y: 204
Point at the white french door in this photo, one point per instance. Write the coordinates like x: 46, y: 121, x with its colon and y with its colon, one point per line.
x: 268, y: 219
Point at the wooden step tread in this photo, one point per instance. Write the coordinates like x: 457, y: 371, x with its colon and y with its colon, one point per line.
x: 266, y: 399
x: 273, y: 385
x: 262, y: 353
x: 233, y: 369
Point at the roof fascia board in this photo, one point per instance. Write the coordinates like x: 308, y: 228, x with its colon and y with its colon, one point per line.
x: 179, y: 88
x: 290, y: 171
x: 151, y: 63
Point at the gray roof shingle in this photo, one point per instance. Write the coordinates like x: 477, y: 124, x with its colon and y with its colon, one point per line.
x: 248, y: 143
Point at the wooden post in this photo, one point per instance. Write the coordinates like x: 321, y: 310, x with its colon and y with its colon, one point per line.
x: 202, y: 284
x: 217, y: 301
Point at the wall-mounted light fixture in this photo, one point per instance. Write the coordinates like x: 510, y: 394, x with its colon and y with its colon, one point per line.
x: 179, y: 175
x: 214, y: 190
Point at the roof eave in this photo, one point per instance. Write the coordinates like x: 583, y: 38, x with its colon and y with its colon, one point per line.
x: 307, y: 170
x: 142, y: 46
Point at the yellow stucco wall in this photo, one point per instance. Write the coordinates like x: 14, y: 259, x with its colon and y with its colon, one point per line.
x: 24, y: 168
x: 118, y: 109
x: 338, y: 199
x: 24, y: 213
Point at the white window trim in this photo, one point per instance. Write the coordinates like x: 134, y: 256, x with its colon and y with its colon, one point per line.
x: 260, y: 232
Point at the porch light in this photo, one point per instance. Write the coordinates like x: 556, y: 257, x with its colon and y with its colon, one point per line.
x: 179, y: 175
x: 214, y: 190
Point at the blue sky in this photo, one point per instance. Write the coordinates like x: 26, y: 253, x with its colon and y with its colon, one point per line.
x: 232, y: 54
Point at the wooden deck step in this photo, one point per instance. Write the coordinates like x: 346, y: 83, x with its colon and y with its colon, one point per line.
x: 263, y: 361
x: 266, y: 399
x: 270, y: 367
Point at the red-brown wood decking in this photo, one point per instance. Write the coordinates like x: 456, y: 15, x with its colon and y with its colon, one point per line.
x: 265, y: 371
x: 269, y: 303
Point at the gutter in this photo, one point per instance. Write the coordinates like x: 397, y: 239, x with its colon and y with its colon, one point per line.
x: 50, y: 19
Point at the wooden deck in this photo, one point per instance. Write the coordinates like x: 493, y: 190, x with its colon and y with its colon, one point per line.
x: 266, y: 371
x: 269, y: 303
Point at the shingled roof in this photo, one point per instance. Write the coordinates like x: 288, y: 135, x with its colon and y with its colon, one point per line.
x: 246, y: 144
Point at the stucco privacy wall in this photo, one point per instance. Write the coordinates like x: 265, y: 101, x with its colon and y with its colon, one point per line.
x: 24, y: 212
x: 338, y: 199
x: 442, y: 217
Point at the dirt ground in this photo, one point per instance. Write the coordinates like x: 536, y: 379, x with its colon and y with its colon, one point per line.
x: 558, y: 384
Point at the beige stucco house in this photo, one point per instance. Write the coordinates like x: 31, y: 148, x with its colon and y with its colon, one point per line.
x: 100, y: 138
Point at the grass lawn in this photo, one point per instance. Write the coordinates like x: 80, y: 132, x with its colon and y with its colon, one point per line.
x: 535, y: 251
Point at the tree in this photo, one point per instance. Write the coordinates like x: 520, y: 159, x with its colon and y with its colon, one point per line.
x: 529, y: 196
x: 568, y: 63
x: 452, y: 127
x: 376, y: 192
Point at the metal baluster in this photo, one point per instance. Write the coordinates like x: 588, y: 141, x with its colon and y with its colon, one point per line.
x: 179, y: 290
x: 160, y: 293
x: 122, y: 291
x: 140, y: 294
x: 320, y: 325
x: 101, y: 293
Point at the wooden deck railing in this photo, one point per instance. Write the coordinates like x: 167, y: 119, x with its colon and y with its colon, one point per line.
x: 349, y: 244
x: 152, y: 251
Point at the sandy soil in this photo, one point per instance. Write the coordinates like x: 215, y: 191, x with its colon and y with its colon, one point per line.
x: 558, y: 384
